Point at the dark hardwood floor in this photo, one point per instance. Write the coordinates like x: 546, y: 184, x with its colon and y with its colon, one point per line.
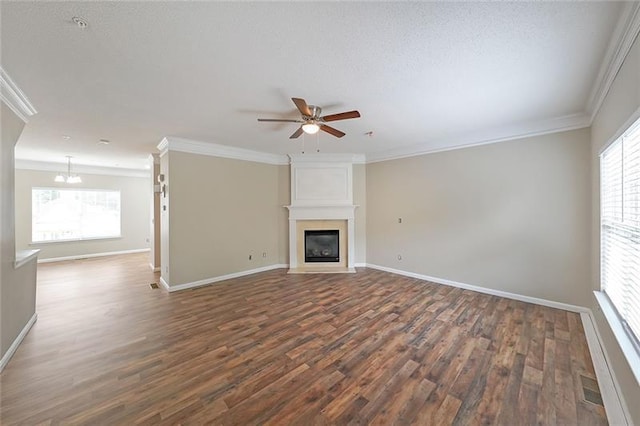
x: 272, y: 348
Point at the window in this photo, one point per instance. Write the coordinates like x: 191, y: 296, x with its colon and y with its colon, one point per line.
x: 74, y: 214
x: 620, y: 229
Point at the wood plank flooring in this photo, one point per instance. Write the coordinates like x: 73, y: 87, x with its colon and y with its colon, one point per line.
x: 276, y: 349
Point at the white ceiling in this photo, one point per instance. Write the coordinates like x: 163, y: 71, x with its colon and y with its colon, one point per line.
x: 424, y: 76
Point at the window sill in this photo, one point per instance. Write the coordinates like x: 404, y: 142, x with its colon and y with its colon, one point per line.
x: 78, y: 240
x: 623, y: 339
x: 25, y: 256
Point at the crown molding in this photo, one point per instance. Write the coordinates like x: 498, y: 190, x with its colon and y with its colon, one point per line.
x: 327, y: 158
x: 15, y: 98
x: 45, y: 166
x: 163, y: 146
x: 502, y: 134
x: 171, y: 143
x: 626, y: 32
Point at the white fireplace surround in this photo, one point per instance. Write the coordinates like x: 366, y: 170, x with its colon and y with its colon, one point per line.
x: 321, y: 189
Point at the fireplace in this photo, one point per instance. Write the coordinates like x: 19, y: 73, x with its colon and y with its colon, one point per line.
x: 322, y: 214
x: 321, y: 245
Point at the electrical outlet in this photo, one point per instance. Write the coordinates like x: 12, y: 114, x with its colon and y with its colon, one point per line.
x: 399, y: 220
x: 399, y: 257
x: 264, y: 254
x: 250, y: 257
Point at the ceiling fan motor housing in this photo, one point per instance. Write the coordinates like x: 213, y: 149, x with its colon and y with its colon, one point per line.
x: 315, y: 112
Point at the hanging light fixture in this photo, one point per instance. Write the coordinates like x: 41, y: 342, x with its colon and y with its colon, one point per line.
x: 310, y: 127
x: 69, y: 178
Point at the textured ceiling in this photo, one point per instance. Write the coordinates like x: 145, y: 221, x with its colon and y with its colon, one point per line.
x: 424, y: 76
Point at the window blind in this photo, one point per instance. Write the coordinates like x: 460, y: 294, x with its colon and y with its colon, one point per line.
x: 620, y: 228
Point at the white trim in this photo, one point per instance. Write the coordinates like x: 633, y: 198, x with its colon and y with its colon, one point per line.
x: 500, y: 293
x: 479, y: 138
x: 327, y: 158
x: 213, y: 280
x: 614, y: 404
x: 171, y: 143
x: 621, y: 130
x: 25, y: 256
x: 15, y: 98
x: 624, y: 341
x: 361, y: 265
x: 154, y: 268
x: 75, y: 240
x: 49, y: 166
x: 163, y: 146
x: 14, y: 346
x: 86, y: 256
x: 164, y: 284
x: 627, y: 29
x: 476, y: 138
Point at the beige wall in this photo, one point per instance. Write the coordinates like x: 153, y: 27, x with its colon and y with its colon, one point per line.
x: 17, y: 286
x: 135, y: 198
x: 221, y: 211
x: 621, y: 103
x: 508, y: 216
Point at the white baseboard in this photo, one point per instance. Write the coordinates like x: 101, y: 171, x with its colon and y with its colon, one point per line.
x: 14, y: 346
x: 164, y: 284
x: 214, y: 280
x: 86, y: 256
x: 360, y: 265
x: 154, y: 268
x: 500, y: 293
x: 614, y: 403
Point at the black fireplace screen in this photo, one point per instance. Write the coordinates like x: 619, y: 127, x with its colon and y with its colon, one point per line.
x: 321, y: 246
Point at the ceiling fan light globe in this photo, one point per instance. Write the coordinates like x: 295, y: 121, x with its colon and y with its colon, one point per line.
x: 59, y: 178
x: 310, y: 128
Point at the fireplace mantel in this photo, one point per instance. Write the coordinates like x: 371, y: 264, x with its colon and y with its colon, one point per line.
x: 321, y: 212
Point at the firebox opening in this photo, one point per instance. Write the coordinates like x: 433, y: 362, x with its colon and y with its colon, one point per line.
x: 321, y: 246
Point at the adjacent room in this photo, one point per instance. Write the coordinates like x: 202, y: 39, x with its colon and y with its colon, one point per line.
x: 320, y: 213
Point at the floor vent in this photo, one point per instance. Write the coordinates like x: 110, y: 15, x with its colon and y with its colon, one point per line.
x: 591, y: 390
x: 153, y: 285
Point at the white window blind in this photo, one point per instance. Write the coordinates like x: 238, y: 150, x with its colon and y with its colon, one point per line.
x: 620, y: 228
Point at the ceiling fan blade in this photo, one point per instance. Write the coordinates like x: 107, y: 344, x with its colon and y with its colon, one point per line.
x: 302, y: 106
x: 280, y: 120
x: 335, y: 132
x: 297, y: 133
x: 341, y: 116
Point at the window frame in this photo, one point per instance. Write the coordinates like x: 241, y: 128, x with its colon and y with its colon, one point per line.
x: 627, y: 340
x: 75, y: 239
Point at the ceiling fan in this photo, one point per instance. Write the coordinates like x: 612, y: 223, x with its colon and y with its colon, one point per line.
x: 311, y: 120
